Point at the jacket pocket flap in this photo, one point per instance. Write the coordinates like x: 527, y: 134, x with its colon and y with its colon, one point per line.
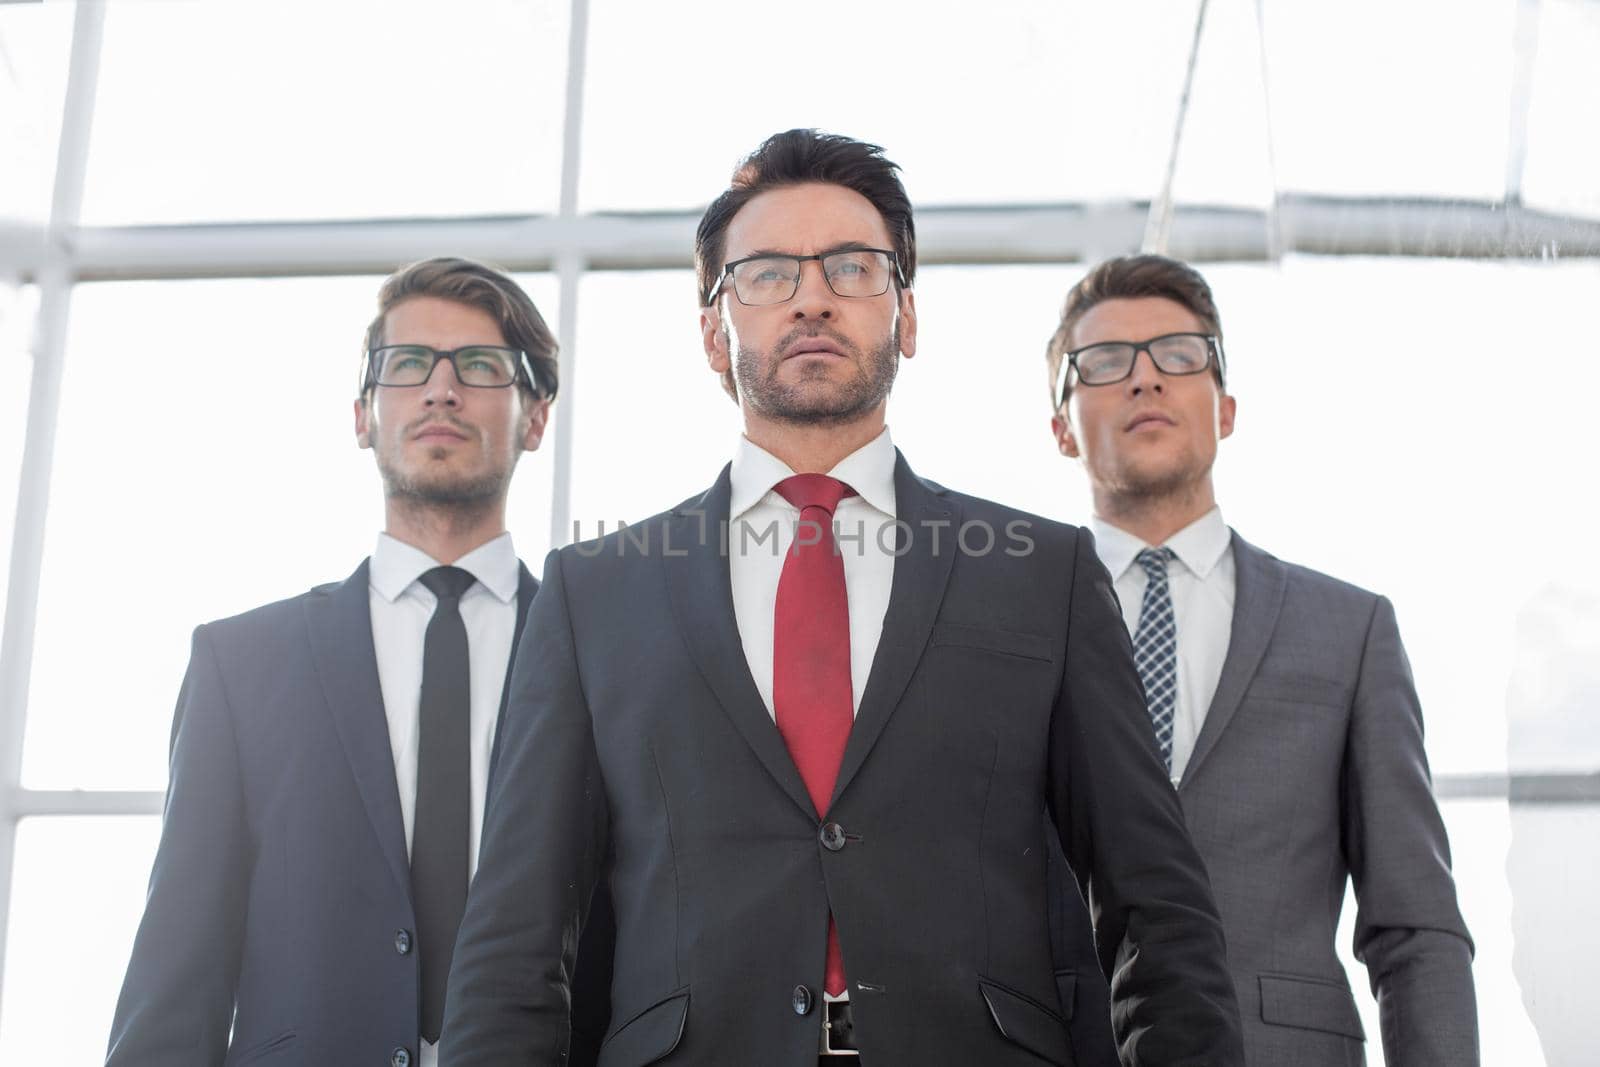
x: 649, y: 1035
x: 1067, y: 990
x: 269, y: 1049
x: 1310, y: 1004
x: 1006, y: 642
x: 1028, y: 1023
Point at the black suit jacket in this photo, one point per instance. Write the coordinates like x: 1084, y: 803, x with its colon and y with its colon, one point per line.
x: 280, y: 899
x: 637, y: 750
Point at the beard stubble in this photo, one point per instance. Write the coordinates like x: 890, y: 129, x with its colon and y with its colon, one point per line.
x: 757, y: 375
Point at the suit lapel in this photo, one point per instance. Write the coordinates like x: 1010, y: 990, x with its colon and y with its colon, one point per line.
x: 527, y: 586
x: 927, y: 518
x: 696, y: 562
x: 1259, y: 581
x: 340, y: 625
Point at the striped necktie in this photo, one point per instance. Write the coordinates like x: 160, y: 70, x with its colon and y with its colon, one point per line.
x: 1155, y: 647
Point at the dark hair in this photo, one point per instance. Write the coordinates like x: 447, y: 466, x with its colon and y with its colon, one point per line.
x: 796, y: 157
x: 1129, y: 278
x: 478, y: 285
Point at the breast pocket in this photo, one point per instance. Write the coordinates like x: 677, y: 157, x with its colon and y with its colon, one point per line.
x: 1300, y: 689
x: 983, y: 701
x: 1013, y: 643
x: 978, y: 687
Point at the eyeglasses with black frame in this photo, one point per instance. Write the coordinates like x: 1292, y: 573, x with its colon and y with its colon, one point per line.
x: 764, y: 280
x: 1109, y: 362
x: 475, y: 366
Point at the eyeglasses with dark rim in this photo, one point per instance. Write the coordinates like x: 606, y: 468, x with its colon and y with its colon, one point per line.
x: 1109, y: 362
x: 475, y: 366
x: 764, y: 280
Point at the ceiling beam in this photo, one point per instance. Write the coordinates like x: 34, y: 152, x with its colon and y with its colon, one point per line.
x: 1047, y: 233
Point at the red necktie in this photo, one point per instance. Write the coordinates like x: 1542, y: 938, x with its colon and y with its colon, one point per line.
x: 811, y: 695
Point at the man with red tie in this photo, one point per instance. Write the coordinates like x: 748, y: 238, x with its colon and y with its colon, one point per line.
x: 807, y: 724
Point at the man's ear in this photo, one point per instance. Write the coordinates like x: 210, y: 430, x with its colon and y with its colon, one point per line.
x: 908, y: 323
x: 363, y: 423
x: 1061, y: 428
x: 1226, y: 408
x: 538, y: 414
x: 714, y: 339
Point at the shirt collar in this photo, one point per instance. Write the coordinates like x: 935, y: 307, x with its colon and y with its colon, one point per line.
x: 1198, y: 546
x: 396, y: 565
x: 869, y: 470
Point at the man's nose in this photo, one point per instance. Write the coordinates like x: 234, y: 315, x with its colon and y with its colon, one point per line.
x: 442, y: 386
x: 1145, y: 375
x: 813, y: 298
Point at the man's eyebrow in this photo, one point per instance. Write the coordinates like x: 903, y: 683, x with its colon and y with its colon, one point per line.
x: 843, y: 246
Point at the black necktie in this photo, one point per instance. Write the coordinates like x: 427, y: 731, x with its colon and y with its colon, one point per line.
x: 444, y: 802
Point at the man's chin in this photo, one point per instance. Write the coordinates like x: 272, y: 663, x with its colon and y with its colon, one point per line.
x: 816, y: 401
x: 1158, y: 480
x: 822, y: 413
x: 445, y: 489
x: 829, y: 391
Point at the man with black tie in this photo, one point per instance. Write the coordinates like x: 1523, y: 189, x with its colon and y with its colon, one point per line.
x: 1281, y: 700
x: 330, y: 752
x: 806, y: 724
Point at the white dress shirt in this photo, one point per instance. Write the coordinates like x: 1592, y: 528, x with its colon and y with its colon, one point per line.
x: 401, y: 608
x: 761, y: 529
x: 1201, y: 580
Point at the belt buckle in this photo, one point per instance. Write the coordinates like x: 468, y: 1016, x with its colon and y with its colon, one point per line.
x: 838, y: 1030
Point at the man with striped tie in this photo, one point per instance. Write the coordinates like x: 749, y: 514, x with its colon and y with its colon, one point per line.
x: 1280, y: 698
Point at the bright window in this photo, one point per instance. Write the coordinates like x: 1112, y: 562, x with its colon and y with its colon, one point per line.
x: 1419, y: 427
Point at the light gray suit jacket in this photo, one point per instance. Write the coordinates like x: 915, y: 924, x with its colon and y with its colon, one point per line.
x: 1310, y: 769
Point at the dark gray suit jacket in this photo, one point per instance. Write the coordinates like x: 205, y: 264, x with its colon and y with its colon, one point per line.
x: 1308, y: 771
x: 637, y: 751
x: 278, y: 924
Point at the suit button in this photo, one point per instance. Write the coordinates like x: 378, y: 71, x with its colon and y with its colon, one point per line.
x: 832, y: 836
x: 400, y: 1058
x: 402, y: 942
x: 800, y: 1000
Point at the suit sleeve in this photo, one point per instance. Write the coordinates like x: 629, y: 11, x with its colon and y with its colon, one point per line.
x: 1081, y: 987
x: 176, y: 1006
x: 1408, y: 930
x: 544, y: 836
x: 1159, y: 937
